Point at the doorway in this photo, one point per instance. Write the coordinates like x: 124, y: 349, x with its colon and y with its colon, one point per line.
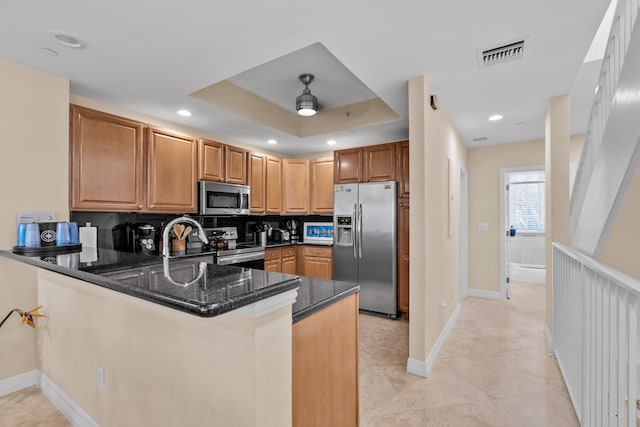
x: 522, y: 246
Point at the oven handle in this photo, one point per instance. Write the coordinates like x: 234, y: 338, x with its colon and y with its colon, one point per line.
x: 237, y: 258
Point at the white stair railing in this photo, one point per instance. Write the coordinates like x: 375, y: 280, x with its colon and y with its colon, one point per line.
x: 596, y: 338
x: 595, y: 192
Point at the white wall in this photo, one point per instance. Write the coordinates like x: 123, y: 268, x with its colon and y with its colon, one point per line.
x: 34, y: 136
x: 527, y: 249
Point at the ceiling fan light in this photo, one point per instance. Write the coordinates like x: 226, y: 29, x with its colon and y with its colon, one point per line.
x: 307, y: 103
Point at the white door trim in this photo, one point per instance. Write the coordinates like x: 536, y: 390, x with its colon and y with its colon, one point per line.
x: 464, y: 232
x: 503, y: 227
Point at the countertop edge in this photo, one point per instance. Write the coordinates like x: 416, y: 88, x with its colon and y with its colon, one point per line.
x: 303, y: 314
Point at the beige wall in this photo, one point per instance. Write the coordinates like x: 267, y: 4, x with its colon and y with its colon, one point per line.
x: 484, y: 164
x: 34, y: 129
x: 435, y: 258
x: 621, y: 249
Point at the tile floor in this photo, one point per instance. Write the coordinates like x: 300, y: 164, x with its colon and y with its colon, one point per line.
x: 29, y: 408
x: 493, y: 370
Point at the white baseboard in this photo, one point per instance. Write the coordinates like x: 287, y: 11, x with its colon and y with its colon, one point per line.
x: 19, y: 382
x: 549, y: 339
x: 76, y: 416
x: 420, y: 368
x: 480, y: 293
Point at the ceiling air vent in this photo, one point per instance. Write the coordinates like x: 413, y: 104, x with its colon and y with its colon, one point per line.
x: 481, y: 139
x: 501, y: 54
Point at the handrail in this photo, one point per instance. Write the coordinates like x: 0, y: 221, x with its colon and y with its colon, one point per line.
x: 627, y: 282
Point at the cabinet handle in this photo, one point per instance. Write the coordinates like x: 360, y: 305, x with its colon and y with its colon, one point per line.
x: 139, y: 206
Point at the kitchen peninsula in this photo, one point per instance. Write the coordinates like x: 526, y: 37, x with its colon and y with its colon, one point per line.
x: 178, y: 342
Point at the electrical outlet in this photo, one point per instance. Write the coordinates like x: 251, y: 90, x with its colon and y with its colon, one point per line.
x: 100, y: 379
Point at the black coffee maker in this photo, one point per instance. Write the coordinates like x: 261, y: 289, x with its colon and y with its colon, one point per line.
x: 137, y: 238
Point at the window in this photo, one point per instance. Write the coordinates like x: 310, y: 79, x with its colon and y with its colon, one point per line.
x: 527, y: 201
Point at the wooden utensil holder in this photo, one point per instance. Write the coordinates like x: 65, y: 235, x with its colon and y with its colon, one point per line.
x: 179, y: 245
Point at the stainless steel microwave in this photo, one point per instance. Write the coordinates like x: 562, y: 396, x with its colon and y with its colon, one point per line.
x: 217, y: 198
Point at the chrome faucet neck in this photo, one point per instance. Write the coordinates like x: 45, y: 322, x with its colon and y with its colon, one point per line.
x: 165, y: 235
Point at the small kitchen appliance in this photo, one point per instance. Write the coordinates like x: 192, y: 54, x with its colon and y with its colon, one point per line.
x: 224, y: 199
x: 294, y: 230
x: 318, y: 233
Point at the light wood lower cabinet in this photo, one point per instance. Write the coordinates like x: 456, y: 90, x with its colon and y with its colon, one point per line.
x: 325, y: 367
x: 273, y: 260
x: 289, y: 260
x: 310, y: 261
x: 317, y: 261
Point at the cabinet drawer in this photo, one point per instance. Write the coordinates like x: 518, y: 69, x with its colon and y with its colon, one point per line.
x: 318, y: 251
x: 273, y: 253
x: 289, y: 251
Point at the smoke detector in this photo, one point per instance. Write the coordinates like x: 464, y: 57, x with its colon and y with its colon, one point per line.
x: 500, y: 54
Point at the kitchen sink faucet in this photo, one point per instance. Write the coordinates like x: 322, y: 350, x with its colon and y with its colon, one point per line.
x: 165, y: 235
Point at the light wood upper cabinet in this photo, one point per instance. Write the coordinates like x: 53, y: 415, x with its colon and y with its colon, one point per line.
x: 321, y: 186
x: 274, y: 185
x: 257, y: 173
x: 380, y: 163
x: 295, y: 191
x: 236, y: 165
x: 211, y: 160
x: 348, y: 166
x: 106, y: 154
x: 171, y: 171
x: 402, y: 168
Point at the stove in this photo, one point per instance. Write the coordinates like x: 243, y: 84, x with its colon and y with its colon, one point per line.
x: 239, y: 254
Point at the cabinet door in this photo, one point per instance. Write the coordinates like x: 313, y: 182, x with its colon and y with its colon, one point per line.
x: 402, y: 168
x: 347, y: 166
x: 171, y: 171
x: 403, y: 257
x: 289, y: 265
x: 274, y: 185
x: 295, y: 189
x: 273, y: 265
x: 321, y: 268
x: 236, y: 165
x: 322, y: 186
x: 211, y: 160
x: 258, y: 182
x: 106, y: 162
x: 380, y: 163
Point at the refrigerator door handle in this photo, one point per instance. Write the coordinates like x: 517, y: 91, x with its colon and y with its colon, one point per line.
x: 355, y: 232
x: 360, y: 231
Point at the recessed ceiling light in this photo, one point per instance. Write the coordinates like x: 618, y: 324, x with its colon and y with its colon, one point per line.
x: 184, y: 113
x: 331, y: 142
x: 66, y: 39
x: 495, y: 117
x: 272, y: 141
x: 48, y: 51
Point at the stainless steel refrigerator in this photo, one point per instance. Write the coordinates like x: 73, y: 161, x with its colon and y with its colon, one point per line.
x: 365, y: 242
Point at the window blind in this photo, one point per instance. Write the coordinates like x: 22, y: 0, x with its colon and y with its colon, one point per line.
x: 527, y: 201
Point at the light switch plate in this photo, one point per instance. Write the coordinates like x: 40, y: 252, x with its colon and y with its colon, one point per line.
x: 35, y: 216
x: 483, y: 226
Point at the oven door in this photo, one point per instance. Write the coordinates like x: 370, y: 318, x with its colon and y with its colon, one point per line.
x: 248, y: 260
x: 224, y: 199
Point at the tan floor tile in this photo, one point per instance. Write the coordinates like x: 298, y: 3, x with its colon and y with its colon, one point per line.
x: 400, y: 419
x: 549, y: 409
x: 378, y: 396
x: 477, y: 414
x: 29, y: 408
x: 492, y: 365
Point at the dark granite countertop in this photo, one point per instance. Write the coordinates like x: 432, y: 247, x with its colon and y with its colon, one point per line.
x: 279, y: 245
x: 212, y: 289
x: 215, y: 289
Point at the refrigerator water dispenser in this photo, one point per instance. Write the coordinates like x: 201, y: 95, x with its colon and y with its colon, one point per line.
x: 345, y: 235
